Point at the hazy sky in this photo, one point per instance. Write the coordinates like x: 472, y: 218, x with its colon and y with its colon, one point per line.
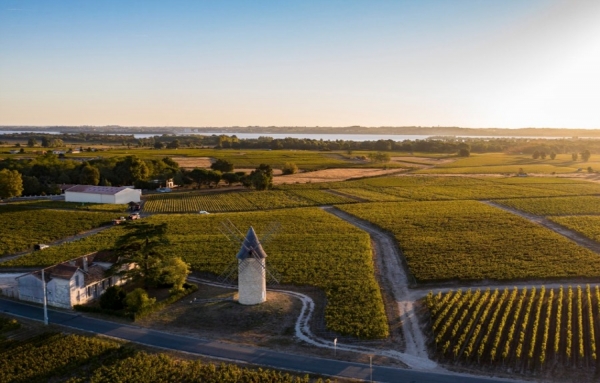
x: 479, y: 63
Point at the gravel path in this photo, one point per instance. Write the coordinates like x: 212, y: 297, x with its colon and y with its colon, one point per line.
x: 574, y: 236
x: 395, y: 276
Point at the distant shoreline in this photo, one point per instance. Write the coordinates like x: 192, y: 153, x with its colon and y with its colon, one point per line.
x: 355, y: 130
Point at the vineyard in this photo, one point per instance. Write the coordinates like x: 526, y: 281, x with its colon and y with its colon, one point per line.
x: 313, y: 248
x: 556, y: 206
x: 73, y: 358
x: 521, y: 329
x: 468, y: 240
x: 101, y: 207
x: 231, y: 202
x: 22, y: 226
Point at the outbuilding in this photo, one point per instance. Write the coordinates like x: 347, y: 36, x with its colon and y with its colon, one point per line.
x: 102, y: 194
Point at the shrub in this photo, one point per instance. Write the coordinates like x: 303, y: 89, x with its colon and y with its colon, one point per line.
x: 138, y: 300
x: 113, y: 298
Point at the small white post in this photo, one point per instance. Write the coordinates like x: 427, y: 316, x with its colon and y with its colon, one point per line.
x: 335, y: 347
x: 45, y: 302
x: 371, y: 367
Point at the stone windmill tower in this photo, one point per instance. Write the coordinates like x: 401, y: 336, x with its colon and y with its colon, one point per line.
x: 251, y: 267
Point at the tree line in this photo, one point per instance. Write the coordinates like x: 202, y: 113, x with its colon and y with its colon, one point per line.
x: 44, y: 174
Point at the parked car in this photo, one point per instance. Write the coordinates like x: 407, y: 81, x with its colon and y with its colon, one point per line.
x: 40, y: 246
x: 118, y: 220
x: 203, y: 212
x: 134, y: 216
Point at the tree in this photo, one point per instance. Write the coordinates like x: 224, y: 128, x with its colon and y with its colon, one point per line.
x: 131, y: 169
x: 222, y: 166
x: 174, y: 272
x: 536, y: 155
x: 552, y: 155
x: 262, y: 177
x: 289, y: 168
x: 11, y: 183
x: 574, y: 156
x: 230, y: 178
x: 464, y: 152
x: 89, y: 175
x: 45, y: 142
x: 379, y: 157
x: 141, y: 246
x: 113, y: 298
x: 543, y: 155
x: 137, y: 300
x: 158, y: 145
x: 585, y: 156
x: 31, y: 142
x: 173, y: 144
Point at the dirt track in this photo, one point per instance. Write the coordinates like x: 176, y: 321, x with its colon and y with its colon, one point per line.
x: 396, y: 281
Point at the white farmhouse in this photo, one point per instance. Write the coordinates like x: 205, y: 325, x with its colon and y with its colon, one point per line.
x: 67, y: 284
x: 102, y: 194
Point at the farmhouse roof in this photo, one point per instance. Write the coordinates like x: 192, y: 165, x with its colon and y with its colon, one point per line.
x: 108, y: 190
x: 95, y: 273
x: 251, y: 246
x: 60, y: 271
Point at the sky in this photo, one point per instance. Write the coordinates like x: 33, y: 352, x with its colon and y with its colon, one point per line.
x: 468, y: 63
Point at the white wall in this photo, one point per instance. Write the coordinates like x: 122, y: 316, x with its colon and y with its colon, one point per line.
x: 83, y: 197
x: 128, y: 195
x: 252, y: 285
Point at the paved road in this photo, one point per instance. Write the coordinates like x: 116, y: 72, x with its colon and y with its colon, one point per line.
x: 231, y: 352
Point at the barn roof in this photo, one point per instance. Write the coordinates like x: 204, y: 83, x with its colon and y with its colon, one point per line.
x: 251, y: 246
x: 108, y: 190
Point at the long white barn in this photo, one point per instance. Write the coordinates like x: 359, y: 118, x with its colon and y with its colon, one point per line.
x: 102, y: 194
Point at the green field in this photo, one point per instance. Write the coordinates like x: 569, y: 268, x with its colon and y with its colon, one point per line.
x: 468, y: 240
x: 23, y: 226
x: 313, y: 248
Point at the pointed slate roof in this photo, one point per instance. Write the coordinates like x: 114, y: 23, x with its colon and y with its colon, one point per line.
x: 251, y: 246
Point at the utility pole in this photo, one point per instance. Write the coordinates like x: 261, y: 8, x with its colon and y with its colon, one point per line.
x: 45, y: 301
x: 335, y: 347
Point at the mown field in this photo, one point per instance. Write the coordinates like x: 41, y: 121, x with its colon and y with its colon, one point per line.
x: 58, y: 357
x: 312, y: 248
x: 23, y: 226
x: 468, y: 240
x: 247, y: 158
x: 524, y: 330
x: 500, y: 163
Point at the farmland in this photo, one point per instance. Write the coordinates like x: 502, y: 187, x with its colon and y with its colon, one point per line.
x: 313, y: 248
x: 580, y: 205
x: 467, y: 240
x: 382, y: 189
x: 525, y: 329
x: 93, y: 359
x: 22, y: 226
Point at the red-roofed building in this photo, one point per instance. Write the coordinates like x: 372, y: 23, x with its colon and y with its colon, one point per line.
x: 102, y: 194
